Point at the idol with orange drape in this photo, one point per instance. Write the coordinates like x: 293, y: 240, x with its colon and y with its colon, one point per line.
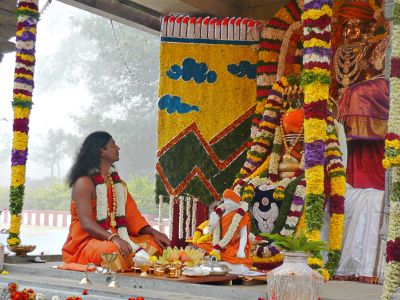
x: 292, y: 123
x: 81, y: 248
x: 229, y: 253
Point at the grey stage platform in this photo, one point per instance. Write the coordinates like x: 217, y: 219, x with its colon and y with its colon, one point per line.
x: 43, y: 278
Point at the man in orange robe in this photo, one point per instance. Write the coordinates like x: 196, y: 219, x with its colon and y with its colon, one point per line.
x: 81, y: 248
x: 87, y: 238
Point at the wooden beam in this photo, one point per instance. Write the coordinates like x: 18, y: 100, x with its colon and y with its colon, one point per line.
x: 215, y: 7
x: 123, y: 12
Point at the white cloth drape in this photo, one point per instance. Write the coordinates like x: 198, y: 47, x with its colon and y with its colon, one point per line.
x: 342, y: 141
x: 361, y: 253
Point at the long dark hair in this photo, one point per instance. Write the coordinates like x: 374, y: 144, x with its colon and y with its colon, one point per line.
x: 88, y: 157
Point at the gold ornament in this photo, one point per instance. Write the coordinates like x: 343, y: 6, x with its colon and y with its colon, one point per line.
x: 347, y: 63
x: 112, y: 214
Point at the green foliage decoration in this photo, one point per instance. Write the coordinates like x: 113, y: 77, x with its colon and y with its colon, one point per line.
x: 296, y: 243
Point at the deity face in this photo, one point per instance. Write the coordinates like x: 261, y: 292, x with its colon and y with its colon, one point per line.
x: 230, y: 205
x: 354, y: 30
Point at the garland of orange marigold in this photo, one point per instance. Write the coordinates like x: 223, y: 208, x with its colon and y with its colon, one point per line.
x: 27, y: 18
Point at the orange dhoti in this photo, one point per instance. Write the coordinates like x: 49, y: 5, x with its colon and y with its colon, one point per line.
x: 81, y: 248
x: 229, y: 253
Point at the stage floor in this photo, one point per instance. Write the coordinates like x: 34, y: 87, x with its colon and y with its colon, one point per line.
x: 42, y: 277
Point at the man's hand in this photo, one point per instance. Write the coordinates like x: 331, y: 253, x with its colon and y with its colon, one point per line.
x: 161, y: 239
x: 123, y: 246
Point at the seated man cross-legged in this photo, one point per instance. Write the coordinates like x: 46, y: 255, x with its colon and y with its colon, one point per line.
x: 105, y: 218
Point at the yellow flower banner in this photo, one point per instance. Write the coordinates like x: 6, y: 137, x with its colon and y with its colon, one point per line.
x: 207, y: 97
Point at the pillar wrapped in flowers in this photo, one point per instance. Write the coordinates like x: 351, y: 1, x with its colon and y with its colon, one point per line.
x: 27, y: 18
x: 392, y: 160
x: 315, y: 80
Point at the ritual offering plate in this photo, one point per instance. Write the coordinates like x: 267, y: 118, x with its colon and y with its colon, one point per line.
x: 21, y: 250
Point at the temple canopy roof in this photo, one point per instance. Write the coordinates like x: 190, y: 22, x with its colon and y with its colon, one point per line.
x: 145, y: 14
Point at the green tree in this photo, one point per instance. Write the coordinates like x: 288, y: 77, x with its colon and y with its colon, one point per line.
x: 51, y: 195
x: 54, y: 148
x: 142, y: 190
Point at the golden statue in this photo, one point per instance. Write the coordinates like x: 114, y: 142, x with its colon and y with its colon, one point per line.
x: 363, y: 40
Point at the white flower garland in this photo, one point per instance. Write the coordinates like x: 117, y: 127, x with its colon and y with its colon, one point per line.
x: 392, y: 271
x: 188, y: 217
x: 222, y: 243
x: 275, y: 156
x: 102, y: 207
x: 233, y: 226
x: 120, y: 194
x: 194, y: 215
x: 181, y: 212
x: 292, y: 221
x: 171, y: 215
x: 101, y: 201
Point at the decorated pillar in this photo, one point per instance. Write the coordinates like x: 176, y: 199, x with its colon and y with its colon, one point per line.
x: 27, y: 18
x: 392, y: 160
x: 316, y: 75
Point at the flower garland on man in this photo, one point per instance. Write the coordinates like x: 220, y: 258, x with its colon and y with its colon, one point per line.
x: 105, y: 218
x: 27, y: 17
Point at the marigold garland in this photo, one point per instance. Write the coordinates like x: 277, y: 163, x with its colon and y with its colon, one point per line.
x: 337, y: 179
x: 262, y: 145
x: 392, y: 160
x: 315, y: 80
x: 27, y: 18
x: 267, y: 67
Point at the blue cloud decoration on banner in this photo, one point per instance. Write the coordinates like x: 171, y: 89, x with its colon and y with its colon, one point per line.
x: 174, y: 104
x: 243, y: 69
x: 192, y: 70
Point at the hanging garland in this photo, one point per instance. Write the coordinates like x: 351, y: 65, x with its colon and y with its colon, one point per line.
x: 270, y: 46
x: 315, y: 80
x: 392, y: 160
x: 267, y: 67
x: 262, y: 144
x: 27, y: 18
x: 337, y: 179
x: 220, y: 242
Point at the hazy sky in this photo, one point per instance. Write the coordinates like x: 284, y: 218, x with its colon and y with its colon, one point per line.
x: 50, y: 110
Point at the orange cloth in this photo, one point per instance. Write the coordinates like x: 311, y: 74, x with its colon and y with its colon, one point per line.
x: 292, y: 123
x: 229, y: 253
x: 76, y: 267
x: 81, y: 248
